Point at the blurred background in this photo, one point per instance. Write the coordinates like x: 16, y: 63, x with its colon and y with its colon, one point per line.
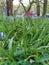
x: 39, y: 7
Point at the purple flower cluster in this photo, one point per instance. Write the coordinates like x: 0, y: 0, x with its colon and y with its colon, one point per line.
x: 29, y: 14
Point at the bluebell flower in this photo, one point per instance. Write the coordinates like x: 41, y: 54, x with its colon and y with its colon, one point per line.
x: 2, y: 35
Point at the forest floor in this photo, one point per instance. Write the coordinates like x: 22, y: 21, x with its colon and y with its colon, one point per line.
x: 24, y: 41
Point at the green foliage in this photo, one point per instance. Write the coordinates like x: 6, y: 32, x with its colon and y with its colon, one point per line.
x: 26, y: 42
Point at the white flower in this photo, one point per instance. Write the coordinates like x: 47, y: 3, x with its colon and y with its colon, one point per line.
x: 31, y: 61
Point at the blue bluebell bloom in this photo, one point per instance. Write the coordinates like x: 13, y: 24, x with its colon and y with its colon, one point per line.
x: 2, y: 35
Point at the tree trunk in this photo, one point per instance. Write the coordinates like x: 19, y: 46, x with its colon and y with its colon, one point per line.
x: 38, y: 7
x: 22, y: 5
x: 29, y: 8
x: 44, y: 7
x: 9, y: 4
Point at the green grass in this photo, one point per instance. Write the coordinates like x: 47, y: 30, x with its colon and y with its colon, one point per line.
x: 26, y: 40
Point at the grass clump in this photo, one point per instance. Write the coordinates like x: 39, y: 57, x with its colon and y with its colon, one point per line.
x: 26, y: 42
